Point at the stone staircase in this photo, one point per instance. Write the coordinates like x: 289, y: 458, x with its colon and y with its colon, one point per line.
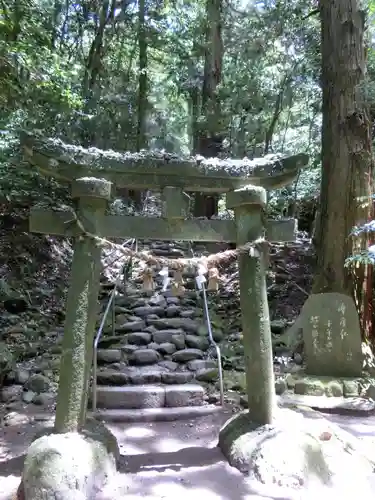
x: 149, y: 392
x: 156, y: 363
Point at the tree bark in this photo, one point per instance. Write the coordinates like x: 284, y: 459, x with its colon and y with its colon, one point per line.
x: 209, y: 136
x: 347, y: 167
x: 137, y: 195
x: 143, y: 78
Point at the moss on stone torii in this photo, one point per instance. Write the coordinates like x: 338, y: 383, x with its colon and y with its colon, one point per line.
x: 81, y: 311
x: 248, y: 205
x: 157, y: 169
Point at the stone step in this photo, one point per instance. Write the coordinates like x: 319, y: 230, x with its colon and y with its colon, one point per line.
x: 150, y: 396
x: 155, y: 414
x: 141, y: 377
x: 166, y: 372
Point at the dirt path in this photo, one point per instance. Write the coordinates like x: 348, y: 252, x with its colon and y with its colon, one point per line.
x: 159, y: 460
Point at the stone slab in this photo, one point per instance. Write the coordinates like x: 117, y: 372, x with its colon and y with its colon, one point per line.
x: 156, y: 414
x: 149, y: 396
x: 331, y: 333
x: 131, y: 397
x: 184, y: 395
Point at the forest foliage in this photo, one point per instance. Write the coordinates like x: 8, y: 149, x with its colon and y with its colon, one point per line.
x: 127, y: 75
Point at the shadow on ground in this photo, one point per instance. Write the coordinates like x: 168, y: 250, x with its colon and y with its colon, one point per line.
x: 161, y: 460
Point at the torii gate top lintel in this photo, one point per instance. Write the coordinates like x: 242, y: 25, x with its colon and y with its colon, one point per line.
x: 158, y: 169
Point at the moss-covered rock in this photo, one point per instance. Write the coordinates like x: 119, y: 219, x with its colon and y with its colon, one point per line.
x: 235, y: 381
x: 296, y: 454
x: 351, y: 388
x: 280, y: 386
x: 334, y: 388
x: 71, y: 465
x: 324, y: 386
x: 7, y: 360
x: 310, y: 386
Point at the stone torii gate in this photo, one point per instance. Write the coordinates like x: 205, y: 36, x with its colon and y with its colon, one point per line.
x: 92, y: 173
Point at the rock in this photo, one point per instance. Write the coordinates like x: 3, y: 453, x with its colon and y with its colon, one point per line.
x: 370, y: 392
x: 298, y: 358
x: 351, y: 388
x: 187, y: 355
x: 13, y: 419
x: 108, y: 341
x: 165, y: 348
x: 280, y: 386
x: 197, y: 342
x: 172, y: 300
x: 176, y: 377
x: 134, y: 318
x: 161, y: 336
x: 179, y: 340
x: 150, y: 329
x: 207, y: 374
x: 28, y: 396
x: 131, y: 326
x: 334, y: 388
x: 131, y: 301
x: 188, y: 313
x: 145, y: 311
x: 54, y: 469
x: 158, y: 300
x: 217, y: 334
x: 6, y: 359
x: 129, y: 349
x: 318, y: 459
x: 290, y: 380
x: 139, y: 338
x: 153, y: 345
x: 144, y: 357
x: 172, y: 311
x: 312, y: 387
x: 11, y: 393
x: 145, y: 377
x: 38, y: 383
x: 109, y: 355
x: 120, y: 319
x: 54, y: 364
x: 21, y: 376
x: 200, y: 364
x: 119, y: 310
x: 186, y: 324
x: 152, y: 316
x: 43, y: 399
x: 278, y: 326
x: 235, y: 381
x: 169, y: 365
x: 112, y: 377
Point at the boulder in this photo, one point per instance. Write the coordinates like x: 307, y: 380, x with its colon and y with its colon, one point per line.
x: 71, y: 465
x: 298, y: 453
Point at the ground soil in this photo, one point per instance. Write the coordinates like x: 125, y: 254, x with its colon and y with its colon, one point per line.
x: 161, y: 460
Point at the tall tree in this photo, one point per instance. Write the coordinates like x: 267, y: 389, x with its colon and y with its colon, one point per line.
x: 142, y: 79
x: 347, y: 166
x: 209, y: 132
